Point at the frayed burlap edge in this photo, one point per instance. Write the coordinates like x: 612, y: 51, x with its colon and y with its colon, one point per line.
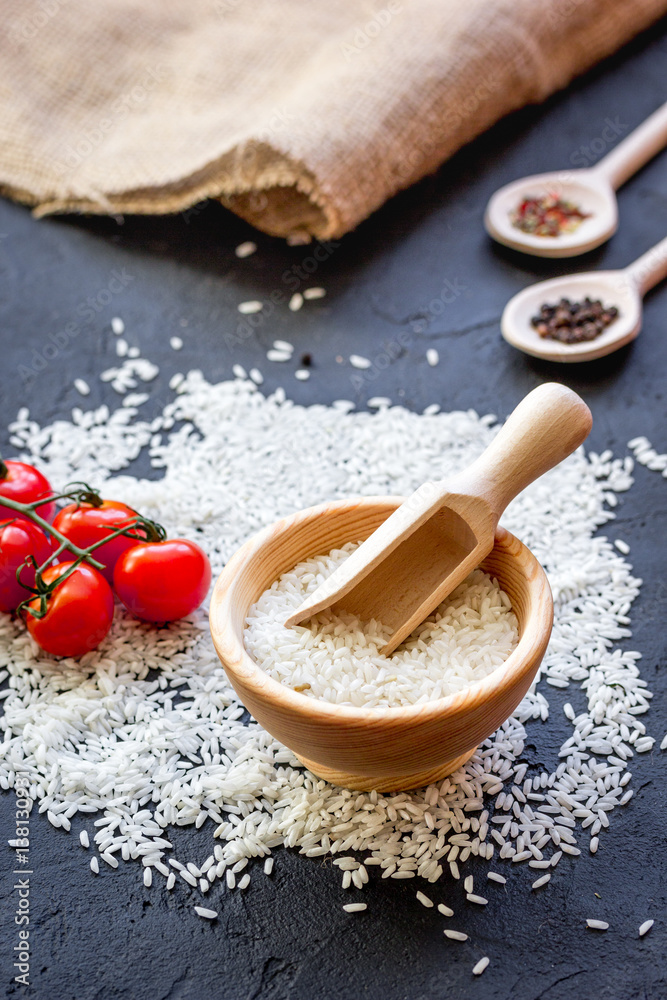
x: 280, y: 196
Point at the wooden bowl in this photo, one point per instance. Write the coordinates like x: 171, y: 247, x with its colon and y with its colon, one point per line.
x: 389, y: 748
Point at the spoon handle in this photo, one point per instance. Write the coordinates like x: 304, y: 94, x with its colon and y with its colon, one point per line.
x: 546, y: 427
x: 635, y: 150
x: 649, y: 269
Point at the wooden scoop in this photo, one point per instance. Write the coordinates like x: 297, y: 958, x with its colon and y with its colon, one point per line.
x: 400, y: 574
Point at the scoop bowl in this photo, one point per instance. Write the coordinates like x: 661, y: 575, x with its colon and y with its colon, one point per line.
x: 386, y: 749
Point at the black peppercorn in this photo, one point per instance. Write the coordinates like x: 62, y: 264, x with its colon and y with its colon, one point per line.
x: 573, y: 322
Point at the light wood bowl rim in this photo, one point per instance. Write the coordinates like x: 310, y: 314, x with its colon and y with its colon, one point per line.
x: 239, y: 664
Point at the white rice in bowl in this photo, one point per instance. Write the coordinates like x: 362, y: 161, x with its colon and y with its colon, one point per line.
x: 337, y: 658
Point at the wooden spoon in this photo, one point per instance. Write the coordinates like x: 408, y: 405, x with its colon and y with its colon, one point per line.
x: 445, y: 529
x: 591, y: 189
x: 623, y: 289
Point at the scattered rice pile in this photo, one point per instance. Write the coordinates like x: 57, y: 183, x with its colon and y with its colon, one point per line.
x: 337, y: 658
x: 145, y: 733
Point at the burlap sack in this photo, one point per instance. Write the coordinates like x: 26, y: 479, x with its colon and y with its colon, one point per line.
x: 302, y: 116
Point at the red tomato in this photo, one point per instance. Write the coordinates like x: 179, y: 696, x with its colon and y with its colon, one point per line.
x: 79, y: 612
x: 84, y: 525
x: 18, y: 540
x: 162, y: 581
x: 24, y: 483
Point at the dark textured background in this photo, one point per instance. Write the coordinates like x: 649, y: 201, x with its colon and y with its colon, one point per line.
x: 108, y: 937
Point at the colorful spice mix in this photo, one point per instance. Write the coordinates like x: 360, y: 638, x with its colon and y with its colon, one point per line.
x: 547, y: 216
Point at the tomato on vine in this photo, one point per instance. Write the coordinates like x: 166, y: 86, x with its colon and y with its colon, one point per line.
x: 98, y: 542
x: 24, y: 483
x: 90, y: 521
x: 19, y: 539
x: 162, y: 581
x: 74, y: 616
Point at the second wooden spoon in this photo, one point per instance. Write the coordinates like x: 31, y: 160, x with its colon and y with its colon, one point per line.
x: 623, y: 289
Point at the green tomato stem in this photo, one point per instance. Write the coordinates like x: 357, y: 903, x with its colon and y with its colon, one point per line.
x: 152, y: 532
x: 125, y: 529
x: 44, y: 590
x: 85, y: 495
x: 27, y: 510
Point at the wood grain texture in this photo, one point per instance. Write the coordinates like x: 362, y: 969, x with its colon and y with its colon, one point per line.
x: 374, y: 748
x: 365, y: 782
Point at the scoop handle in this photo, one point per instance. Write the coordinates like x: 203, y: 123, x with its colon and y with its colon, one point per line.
x: 546, y: 427
x: 635, y: 150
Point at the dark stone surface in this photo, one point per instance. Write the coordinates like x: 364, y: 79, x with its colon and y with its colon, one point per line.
x: 421, y: 272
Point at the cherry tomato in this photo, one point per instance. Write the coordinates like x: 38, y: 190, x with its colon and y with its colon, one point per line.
x: 19, y: 539
x: 162, y: 581
x: 78, y: 615
x: 24, y: 483
x: 84, y: 525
